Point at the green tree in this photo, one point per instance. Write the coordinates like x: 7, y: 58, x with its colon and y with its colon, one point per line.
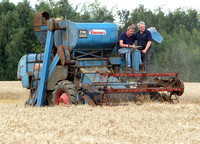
x: 17, y: 36
x: 9, y: 25
x: 6, y: 6
x: 44, y: 6
x: 61, y: 8
x: 124, y: 18
x: 94, y: 11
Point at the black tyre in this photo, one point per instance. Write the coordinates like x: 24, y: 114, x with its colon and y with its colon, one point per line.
x: 64, y: 93
x: 48, y: 98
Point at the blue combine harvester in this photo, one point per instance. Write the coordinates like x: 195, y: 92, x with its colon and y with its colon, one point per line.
x: 79, y: 66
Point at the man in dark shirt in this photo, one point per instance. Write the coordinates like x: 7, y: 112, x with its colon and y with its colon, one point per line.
x: 126, y: 43
x: 144, y: 39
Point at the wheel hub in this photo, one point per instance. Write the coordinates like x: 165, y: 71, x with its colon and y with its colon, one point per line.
x: 62, y: 97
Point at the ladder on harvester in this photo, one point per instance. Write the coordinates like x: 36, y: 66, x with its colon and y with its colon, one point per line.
x: 35, y: 78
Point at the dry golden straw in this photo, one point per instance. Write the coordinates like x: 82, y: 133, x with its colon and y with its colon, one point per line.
x: 147, y: 123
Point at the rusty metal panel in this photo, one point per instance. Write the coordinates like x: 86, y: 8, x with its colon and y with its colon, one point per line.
x: 40, y: 19
x: 63, y: 54
x: 37, y: 28
x: 89, y: 100
x: 59, y: 73
x: 37, y: 19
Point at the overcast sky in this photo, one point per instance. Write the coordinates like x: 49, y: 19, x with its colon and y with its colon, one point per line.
x: 132, y: 4
x: 166, y: 5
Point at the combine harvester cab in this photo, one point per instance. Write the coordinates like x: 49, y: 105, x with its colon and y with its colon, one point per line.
x: 79, y: 66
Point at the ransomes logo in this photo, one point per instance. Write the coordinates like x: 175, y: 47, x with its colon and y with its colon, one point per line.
x: 97, y: 32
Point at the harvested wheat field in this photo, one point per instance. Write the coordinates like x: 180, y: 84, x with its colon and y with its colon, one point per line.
x: 147, y: 123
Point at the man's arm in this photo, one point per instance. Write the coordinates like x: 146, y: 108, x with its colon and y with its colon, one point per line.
x: 147, y: 47
x: 133, y: 46
x: 124, y: 45
x: 149, y: 39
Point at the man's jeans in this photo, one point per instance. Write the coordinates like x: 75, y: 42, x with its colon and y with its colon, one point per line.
x: 147, y: 62
x: 128, y: 54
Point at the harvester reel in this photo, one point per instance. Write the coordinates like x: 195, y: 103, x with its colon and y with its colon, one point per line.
x: 180, y: 84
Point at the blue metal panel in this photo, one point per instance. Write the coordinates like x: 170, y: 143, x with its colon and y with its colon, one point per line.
x: 155, y: 35
x: 45, y: 69
x: 30, y: 61
x: 66, y: 37
x: 25, y: 80
x: 44, y: 27
x: 115, y: 60
x: 98, y: 36
x: 21, y: 71
x: 32, y: 57
x: 92, y: 62
x: 27, y: 63
x: 53, y: 64
x: 89, y: 76
x: 25, y: 68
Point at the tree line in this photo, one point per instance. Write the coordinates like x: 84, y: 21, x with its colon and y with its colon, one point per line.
x: 179, y: 51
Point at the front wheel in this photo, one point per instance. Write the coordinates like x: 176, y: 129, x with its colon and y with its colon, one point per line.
x: 64, y: 93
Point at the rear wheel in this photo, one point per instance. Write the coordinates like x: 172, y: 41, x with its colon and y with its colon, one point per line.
x: 64, y: 93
